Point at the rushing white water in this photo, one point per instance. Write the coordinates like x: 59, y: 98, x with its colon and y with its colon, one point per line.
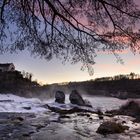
x: 13, y: 103
x: 105, y: 103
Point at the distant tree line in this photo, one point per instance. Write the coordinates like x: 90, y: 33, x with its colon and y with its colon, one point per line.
x: 132, y: 75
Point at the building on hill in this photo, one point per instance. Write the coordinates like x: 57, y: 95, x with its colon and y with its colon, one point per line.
x: 6, y: 67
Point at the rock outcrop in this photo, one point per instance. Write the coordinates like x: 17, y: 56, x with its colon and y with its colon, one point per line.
x: 111, y: 128
x: 60, y: 97
x: 64, y: 109
x: 131, y: 108
x: 76, y: 98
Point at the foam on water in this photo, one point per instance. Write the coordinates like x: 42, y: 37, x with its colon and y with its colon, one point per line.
x: 14, y: 103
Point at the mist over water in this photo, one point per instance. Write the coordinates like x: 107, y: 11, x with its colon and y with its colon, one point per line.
x: 98, y: 102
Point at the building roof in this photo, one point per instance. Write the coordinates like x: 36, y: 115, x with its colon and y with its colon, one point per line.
x: 5, y: 64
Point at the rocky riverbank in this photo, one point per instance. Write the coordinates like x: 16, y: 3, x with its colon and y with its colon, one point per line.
x: 54, y: 126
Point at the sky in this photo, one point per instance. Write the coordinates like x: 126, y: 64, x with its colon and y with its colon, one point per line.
x: 48, y: 72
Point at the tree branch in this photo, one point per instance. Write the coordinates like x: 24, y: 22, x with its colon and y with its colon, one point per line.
x: 2, y: 11
x: 106, y: 3
x: 69, y: 22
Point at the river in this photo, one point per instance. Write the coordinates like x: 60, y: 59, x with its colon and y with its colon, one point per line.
x: 47, y: 125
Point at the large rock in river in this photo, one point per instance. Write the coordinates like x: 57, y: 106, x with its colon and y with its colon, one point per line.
x: 76, y: 98
x: 111, y: 128
x: 60, y: 97
x: 131, y: 108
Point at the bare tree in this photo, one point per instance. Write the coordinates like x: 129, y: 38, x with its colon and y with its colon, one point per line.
x: 30, y: 76
x: 72, y: 30
x: 132, y: 75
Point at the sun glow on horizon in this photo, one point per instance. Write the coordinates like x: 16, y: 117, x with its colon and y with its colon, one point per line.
x: 48, y: 72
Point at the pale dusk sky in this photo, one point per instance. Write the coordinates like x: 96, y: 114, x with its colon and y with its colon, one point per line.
x: 55, y: 72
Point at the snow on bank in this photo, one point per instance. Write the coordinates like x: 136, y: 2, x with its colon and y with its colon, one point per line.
x: 13, y: 103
